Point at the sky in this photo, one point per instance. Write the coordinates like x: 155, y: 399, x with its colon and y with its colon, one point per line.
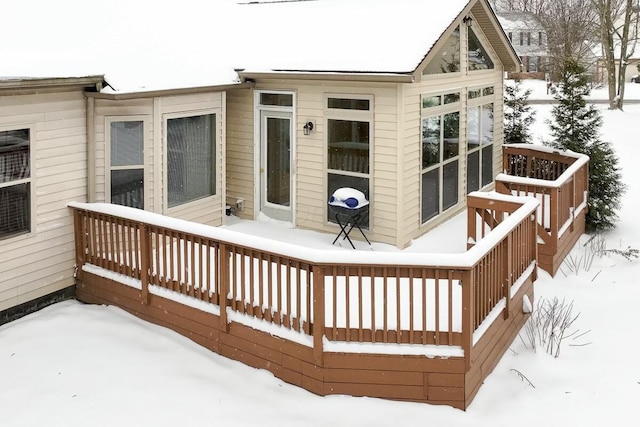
x: 72, y: 364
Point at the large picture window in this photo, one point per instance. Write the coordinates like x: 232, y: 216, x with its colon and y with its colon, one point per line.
x: 15, y: 182
x: 348, y: 144
x: 480, y: 140
x: 191, y: 167
x: 127, y: 163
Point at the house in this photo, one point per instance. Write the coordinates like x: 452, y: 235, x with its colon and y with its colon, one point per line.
x: 264, y: 109
x: 529, y: 40
x: 399, y: 102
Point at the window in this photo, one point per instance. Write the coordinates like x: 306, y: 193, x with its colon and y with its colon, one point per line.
x: 15, y: 182
x: 521, y: 39
x: 528, y: 39
x: 127, y: 163
x: 447, y: 60
x: 540, y: 38
x: 510, y: 36
x: 477, y: 56
x: 349, y: 135
x: 440, y: 156
x: 480, y: 143
x: 191, y: 159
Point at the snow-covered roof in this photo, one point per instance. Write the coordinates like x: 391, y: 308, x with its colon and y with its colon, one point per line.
x: 143, y: 45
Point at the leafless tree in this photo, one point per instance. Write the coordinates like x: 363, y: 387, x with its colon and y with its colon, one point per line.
x: 533, y: 6
x: 618, y: 27
x: 571, y: 31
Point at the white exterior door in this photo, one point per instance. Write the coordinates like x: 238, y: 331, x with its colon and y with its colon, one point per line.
x: 276, y: 129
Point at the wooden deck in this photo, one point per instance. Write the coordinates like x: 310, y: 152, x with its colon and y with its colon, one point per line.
x: 415, y: 327
x: 559, y: 180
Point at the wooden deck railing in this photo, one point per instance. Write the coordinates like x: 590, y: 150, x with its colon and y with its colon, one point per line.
x: 341, y: 296
x: 559, y: 180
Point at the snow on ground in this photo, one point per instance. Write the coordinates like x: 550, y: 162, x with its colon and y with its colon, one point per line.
x: 80, y: 365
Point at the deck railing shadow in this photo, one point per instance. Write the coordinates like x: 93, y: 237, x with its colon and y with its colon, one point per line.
x: 325, y: 299
x: 559, y: 180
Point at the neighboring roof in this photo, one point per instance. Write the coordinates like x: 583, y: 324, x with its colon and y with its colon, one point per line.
x: 144, y: 45
x: 517, y: 21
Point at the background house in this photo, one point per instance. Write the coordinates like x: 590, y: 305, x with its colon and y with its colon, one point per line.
x: 188, y: 120
x: 529, y: 40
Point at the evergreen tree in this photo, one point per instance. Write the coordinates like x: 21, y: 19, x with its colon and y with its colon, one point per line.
x: 518, y: 116
x: 576, y: 127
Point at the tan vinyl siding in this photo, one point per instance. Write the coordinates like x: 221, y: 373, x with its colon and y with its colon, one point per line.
x: 42, y: 262
x: 208, y: 210
x: 239, y: 150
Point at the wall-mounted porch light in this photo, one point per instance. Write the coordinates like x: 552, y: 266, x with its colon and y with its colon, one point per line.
x: 468, y: 20
x: 307, y: 128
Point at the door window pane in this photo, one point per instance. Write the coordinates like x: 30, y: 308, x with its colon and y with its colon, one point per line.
x: 190, y: 158
x: 278, y: 160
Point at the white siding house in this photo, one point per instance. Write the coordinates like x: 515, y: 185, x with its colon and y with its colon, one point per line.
x: 212, y: 103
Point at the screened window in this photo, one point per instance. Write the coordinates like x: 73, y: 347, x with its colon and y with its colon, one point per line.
x: 348, y: 145
x: 477, y: 56
x: 127, y: 164
x: 479, y: 146
x: 15, y: 182
x: 440, y: 163
x: 447, y: 60
x: 190, y: 158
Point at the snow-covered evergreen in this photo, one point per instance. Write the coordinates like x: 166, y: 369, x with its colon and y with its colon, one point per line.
x: 576, y: 126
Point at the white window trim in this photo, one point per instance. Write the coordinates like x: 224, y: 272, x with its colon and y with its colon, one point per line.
x: 218, y: 160
x: 31, y: 180
x: 146, y: 145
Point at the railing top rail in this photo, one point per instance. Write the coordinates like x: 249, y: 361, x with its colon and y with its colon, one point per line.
x: 543, y: 149
x: 316, y: 256
x: 580, y: 161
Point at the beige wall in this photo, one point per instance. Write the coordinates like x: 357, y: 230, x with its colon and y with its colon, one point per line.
x: 154, y: 112
x: 42, y: 262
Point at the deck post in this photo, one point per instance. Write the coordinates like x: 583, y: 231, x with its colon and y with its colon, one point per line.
x: 467, y: 316
x: 145, y: 261
x: 318, y: 315
x: 553, y: 218
x: 80, y: 241
x: 224, y: 285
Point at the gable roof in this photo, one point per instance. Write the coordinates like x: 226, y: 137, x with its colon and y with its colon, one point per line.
x: 143, y: 45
